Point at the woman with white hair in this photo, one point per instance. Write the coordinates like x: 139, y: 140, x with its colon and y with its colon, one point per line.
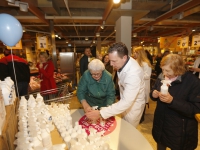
x: 96, y: 87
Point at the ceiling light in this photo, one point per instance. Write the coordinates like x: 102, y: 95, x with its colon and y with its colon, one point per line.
x: 193, y: 30
x: 22, y: 5
x: 67, y: 42
x: 116, y: 1
x: 24, y: 29
x: 134, y: 34
x: 59, y: 37
x: 151, y: 28
x: 97, y: 34
x: 86, y: 38
x: 94, y: 41
x: 56, y: 35
x: 11, y: 1
x: 102, y: 26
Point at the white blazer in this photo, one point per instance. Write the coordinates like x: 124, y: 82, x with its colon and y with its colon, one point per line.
x: 147, y: 76
x: 132, y: 94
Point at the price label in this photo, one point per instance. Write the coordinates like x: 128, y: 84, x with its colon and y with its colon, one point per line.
x: 179, y: 42
x: 184, y: 42
x: 196, y: 41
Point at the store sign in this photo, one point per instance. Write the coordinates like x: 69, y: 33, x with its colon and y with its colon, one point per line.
x: 42, y: 42
x: 178, y: 44
x: 168, y: 42
x: 196, y: 41
x: 184, y: 42
x: 17, y: 46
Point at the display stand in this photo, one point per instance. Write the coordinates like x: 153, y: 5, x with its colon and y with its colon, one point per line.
x: 9, y: 128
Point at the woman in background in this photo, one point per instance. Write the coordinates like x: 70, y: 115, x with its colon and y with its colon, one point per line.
x: 174, y: 123
x: 106, y: 62
x: 140, y: 55
x: 46, y: 71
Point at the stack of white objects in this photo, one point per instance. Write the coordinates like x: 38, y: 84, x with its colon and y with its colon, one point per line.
x: 75, y: 137
x: 8, y: 91
x: 35, y: 124
x: 2, y: 111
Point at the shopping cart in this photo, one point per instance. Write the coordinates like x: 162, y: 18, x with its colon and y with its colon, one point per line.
x: 61, y: 94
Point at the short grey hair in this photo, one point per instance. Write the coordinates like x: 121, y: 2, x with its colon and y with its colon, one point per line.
x: 96, y: 65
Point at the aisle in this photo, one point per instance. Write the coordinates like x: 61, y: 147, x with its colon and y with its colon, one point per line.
x: 145, y: 127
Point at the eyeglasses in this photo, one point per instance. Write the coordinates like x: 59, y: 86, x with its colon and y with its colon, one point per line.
x: 95, y: 74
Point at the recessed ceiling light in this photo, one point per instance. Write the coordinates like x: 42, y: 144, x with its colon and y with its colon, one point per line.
x: 116, y: 1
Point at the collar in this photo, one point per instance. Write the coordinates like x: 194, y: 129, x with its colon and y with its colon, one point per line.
x: 161, y: 77
x: 124, y: 64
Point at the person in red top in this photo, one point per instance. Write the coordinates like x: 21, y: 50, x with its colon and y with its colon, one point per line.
x: 21, y: 71
x: 46, y: 71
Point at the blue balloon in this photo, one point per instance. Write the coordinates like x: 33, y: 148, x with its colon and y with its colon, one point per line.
x: 10, y: 30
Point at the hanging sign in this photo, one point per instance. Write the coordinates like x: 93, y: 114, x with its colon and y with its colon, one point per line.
x: 196, y: 41
x: 168, y: 42
x: 184, y: 42
x: 178, y: 44
x: 17, y: 46
x: 42, y: 42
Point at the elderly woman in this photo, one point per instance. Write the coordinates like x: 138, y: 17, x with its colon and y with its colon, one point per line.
x: 174, y: 124
x: 96, y: 87
x: 46, y: 70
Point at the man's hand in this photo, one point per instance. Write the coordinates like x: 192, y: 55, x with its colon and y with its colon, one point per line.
x: 166, y: 98
x: 93, y: 115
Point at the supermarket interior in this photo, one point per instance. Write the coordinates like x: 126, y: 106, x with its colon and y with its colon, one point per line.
x: 46, y: 91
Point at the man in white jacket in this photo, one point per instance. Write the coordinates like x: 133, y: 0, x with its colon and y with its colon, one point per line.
x: 131, y: 84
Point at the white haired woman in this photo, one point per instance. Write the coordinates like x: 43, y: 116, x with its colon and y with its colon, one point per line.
x: 96, y: 87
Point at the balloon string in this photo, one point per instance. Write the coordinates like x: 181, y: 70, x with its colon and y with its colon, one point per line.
x: 14, y: 74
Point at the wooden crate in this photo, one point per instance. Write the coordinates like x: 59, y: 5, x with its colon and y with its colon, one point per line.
x: 10, y: 128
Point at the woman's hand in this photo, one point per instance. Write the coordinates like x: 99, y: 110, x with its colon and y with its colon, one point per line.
x: 166, y: 98
x: 86, y: 106
x: 40, y: 65
x: 155, y: 94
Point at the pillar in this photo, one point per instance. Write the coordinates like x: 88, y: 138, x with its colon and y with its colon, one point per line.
x: 53, y: 45
x: 123, y: 27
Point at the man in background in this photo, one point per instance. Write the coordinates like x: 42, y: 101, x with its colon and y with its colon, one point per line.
x: 85, y: 60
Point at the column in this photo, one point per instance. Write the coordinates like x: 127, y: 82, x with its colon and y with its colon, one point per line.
x: 98, y: 48
x: 123, y: 27
x: 53, y: 45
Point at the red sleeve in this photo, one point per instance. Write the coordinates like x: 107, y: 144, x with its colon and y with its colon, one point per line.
x: 48, y: 72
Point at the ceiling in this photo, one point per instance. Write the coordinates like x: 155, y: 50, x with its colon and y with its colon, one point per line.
x: 74, y: 20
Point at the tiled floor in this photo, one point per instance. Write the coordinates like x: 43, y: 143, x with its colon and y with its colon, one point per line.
x: 145, y: 127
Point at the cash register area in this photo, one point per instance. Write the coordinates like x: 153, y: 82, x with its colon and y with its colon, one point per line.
x: 145, y: 127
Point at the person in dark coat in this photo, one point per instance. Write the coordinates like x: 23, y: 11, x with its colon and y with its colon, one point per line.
x: 21, y: 71
x: 3, y: 68
x: 84, y: 61
x: 174, y: 124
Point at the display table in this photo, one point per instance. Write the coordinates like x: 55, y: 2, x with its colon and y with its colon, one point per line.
x: 124, y: 137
